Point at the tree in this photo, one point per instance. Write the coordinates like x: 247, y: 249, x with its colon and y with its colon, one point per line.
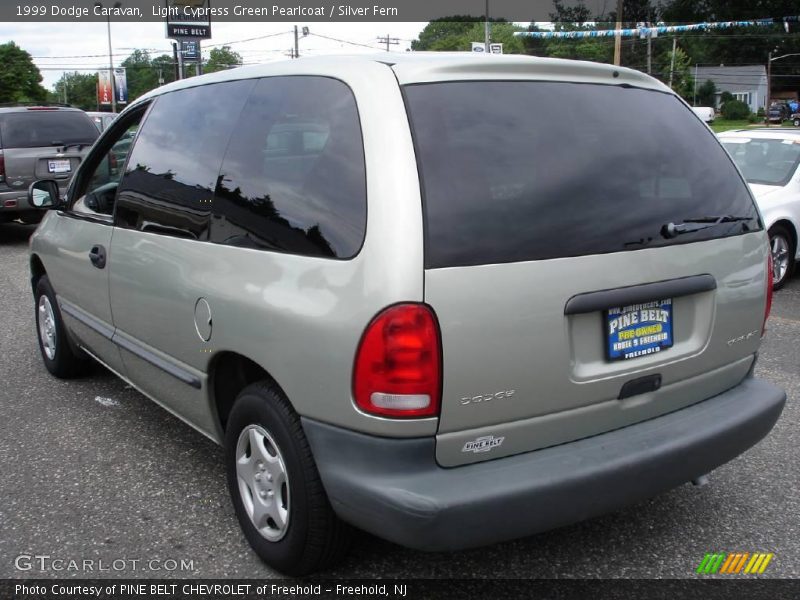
x: 20, y: 79
x: 444, y: 34
x: 78, y: 89
x: 707, y: 94
x: 457, y: 36
x: 682, y: 80
x: 140, y: 73
x: 220, y: 59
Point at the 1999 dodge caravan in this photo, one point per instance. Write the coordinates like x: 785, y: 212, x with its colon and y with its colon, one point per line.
x: 408, y: 296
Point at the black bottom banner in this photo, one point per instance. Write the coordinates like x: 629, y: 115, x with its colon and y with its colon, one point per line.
x: 250, y: 589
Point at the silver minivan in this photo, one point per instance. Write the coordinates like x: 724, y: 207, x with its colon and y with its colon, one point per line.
x: 409, y: 297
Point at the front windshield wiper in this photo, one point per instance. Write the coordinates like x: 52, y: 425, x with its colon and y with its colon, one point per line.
x: 692, y: 224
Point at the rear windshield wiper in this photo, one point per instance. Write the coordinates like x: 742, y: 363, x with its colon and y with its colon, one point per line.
x: 690, y: 225
x: 64, y: 146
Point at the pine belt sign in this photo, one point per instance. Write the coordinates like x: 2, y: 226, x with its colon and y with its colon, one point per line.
x: 188, y: 19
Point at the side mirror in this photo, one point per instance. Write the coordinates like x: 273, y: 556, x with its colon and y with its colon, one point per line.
x: 43, y: 194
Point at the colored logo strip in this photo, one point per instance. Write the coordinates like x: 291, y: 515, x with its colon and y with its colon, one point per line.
x: 734, y: 563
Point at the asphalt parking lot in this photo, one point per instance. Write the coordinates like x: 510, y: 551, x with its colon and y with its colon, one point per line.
x: 90, y: 469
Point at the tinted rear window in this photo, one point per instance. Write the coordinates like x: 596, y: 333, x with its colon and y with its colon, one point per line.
x: 518, y: 171
x: 39, y: 128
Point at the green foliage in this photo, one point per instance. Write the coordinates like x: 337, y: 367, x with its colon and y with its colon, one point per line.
x: 457, y: 36
x: 735, y: 109
x: 707, y: 93
x: 222, y: 58
x: 682, y: 80
x: 445, y: 34
x: 78, y: 89
x: 20, y: 79
x: 726, y: 97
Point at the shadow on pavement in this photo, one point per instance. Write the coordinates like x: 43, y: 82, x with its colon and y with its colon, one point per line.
x: 15, y: 234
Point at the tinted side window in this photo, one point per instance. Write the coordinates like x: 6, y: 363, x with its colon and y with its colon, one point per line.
x: 169, y: 182
x: 509, y: 173
x: 293, y: 179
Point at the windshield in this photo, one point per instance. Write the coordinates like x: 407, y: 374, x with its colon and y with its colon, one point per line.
x: 524, y: 170
x: 765, y: 161
x: 39, y: 128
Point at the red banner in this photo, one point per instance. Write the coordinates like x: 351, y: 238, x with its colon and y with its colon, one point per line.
x: 105, y: 88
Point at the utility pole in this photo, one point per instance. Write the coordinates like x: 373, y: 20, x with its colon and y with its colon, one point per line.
x: 617, y: 36
x: 180, y: 63
x: 694, y: 103
x: 296, y: 43
x: 672, y: 62
x: 389, y: 41
x: 769, y: 86
x: 110, y: 56
x: 649, y: 50
x: 487, y: 34
x: 175, y: 61
x: 199, y: 64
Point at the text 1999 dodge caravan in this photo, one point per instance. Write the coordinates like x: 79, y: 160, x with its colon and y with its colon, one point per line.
x: 408, y: 296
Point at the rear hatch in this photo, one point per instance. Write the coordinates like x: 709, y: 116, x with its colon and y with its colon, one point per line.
x: 587, y: 273
x: 44, y: 143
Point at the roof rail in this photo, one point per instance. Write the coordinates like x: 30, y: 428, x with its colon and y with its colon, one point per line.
x: 14, y: 104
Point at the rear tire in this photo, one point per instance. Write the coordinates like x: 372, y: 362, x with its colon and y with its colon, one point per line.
x: 57, y: 350
x: 796, y: 122
x: 275, y: 487
x: 783, y: 250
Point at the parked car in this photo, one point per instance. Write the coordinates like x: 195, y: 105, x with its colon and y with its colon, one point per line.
x: 778, y: 113
x: 102, y: 119
x: 706, y: 113
x: 568, y: 323
x: 38, y: 141
x: 768, y: 160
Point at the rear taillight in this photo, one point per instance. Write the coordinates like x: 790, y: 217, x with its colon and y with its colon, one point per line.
x: 2, y: 168
x: 770, y: 281
x: 397, y: 371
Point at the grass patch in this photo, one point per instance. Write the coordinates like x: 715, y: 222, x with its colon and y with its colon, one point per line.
x: 720, y: 125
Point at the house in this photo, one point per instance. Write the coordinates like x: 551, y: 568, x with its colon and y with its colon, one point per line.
x: 747, y: 83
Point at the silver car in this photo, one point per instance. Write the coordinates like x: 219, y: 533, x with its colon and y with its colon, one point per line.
x: 37, y: 141
x: 408, y: 297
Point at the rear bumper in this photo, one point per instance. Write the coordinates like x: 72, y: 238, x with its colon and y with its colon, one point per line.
x: 394, y: 489
x: 20, y: 197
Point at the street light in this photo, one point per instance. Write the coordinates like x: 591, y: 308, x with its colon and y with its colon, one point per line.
x: 110, y: 55
x: 771, y: 60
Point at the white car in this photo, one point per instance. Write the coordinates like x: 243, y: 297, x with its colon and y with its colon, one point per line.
x: 706, y: 113
x: 768, y: 159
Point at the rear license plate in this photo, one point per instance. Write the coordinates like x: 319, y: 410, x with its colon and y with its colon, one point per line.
x: 58, y: 166
x: 638, y: 330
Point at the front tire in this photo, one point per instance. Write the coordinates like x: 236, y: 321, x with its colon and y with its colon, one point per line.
x: 275, y: 487
x: 57, y: 352
x: 783, y: 250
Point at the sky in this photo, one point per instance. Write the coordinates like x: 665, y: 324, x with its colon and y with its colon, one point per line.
x: 60, y: 47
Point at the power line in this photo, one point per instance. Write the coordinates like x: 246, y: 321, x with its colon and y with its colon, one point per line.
x: 319, y: 35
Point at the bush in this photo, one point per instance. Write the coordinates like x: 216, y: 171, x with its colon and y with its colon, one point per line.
x: 753, y: 118
x: 725, y: 97
x: 761, y: 112
x: 735, y: 110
